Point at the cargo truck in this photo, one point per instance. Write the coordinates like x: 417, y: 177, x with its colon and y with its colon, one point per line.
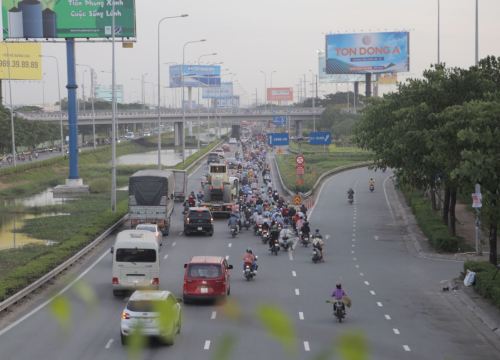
x: 220, y: 191
x: 181, y: 183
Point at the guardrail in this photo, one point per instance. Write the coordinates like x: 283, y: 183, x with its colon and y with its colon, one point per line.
x: 12, y: 300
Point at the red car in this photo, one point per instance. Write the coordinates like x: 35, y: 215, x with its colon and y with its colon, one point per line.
x: 206, y: 277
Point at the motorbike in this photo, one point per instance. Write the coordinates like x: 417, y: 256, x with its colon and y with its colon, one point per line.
x: 265, y: 236
x: 372, y: 187
x: 248, y: 272
x: 234, y: 230
x: 275, y: 248
x: 338, y: 309
x: 258, y: 230
x: 286, y: 243
x: 316, y: 255
x: 305, y: 239
x: 350, y: 198
x: 246, y: 223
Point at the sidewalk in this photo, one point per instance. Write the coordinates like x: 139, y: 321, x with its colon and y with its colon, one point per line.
x: 465, y: 298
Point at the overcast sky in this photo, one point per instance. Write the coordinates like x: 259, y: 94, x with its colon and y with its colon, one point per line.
x: 267, y: 35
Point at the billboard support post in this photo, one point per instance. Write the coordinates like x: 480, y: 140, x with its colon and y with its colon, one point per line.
x: 368, y: 83
x: 356, y: 94
x: 72, y: 114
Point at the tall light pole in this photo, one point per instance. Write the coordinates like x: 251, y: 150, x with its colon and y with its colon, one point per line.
x: 174, y: 100
x: 12, y: 132
x: 60, y: 103
x: 159, y: 85
x: 313, y: 100
x: 477, y: 33
x: 264, y: 94
x: 113, y: 111
x: 182, y: 84
x: 439, y: 31
x: 198, y: 104
x: 92, y: 96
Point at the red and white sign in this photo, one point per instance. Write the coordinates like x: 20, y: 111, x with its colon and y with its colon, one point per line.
x: 280, y: 94
x: 299, y: 160
x: 300, y: 165
x: 299, y: 170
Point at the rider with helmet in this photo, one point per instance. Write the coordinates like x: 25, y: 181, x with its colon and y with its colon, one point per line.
x: 318, y: 242
x: 250, y: 258
x: 338, y: 294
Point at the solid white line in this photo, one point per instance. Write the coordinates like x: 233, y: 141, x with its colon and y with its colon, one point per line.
x: 294, y: 274
x: 396, y: 331
x: 387, y: 317
x: 207, y: 345
x: 166, y: 256
x: 372, y: 292
x: 297, y: 292
x: 108, y: 344
x: 301, y: 315
x: 387, y: 199
x: 214, y: 315
x: 306, y: 346
x: 406, y: 347
x: 379, y: 304
x: 44, y: 304
x: 229, y: 245
x: 367, y: 283
x: 173, y: 244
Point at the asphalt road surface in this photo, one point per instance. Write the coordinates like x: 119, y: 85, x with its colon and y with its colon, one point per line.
x: 398, y: 305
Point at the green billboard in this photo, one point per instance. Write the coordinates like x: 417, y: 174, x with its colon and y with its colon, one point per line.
x: 53, y: 19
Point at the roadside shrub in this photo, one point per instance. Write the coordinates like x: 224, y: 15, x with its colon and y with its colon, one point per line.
x: 487, y: 280
x: 101, y: 185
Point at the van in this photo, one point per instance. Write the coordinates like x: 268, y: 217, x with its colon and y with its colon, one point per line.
x: 206, y: 278
x: 136, y: 261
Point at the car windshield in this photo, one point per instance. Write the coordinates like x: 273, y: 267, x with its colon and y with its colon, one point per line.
x: 199, y: 215
x: 205, y: 271
x: 142, y: 305
x: 136, y: 255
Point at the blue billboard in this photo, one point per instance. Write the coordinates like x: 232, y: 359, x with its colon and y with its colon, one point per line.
x: 277, y: 139
x: 279, y: 120
x: 320, y: 138
x: 194, y: 75
x: 364, y: 53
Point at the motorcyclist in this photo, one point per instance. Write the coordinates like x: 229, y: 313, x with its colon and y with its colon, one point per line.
x: 249, y: 258
x: 285, y: 237
x: 192, y: 199
x: 274, y: 234
x: 318, y: 242
x: 233, y: 222
x: 306, y: 230
x: 338, y: 294
x: 350, y: 193
x: 371, y: 183
x: 200, y: 196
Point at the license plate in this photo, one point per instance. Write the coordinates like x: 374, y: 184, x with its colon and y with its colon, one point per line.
x: 204, y: 290
x: 200, y: 228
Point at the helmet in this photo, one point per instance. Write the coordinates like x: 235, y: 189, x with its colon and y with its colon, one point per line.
x: 249, y: 251
x: 339, y: 286
x: 317, y: 230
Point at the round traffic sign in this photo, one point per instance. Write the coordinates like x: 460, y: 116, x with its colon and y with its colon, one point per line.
x: 299, y: 159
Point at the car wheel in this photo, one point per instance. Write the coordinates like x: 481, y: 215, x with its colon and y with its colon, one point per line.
x: 211, y: 233
x: 186, y: 233
x: 179, y: 326
x: 123, y: 339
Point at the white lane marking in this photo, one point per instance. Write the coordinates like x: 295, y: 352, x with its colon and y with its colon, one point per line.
x: 353, y: 245
x: 376, y: 237
x: 367, y: 283
x: 297, y: 292
x: 352, y: 251
x: 294, y: 274
x: 108, y: 344
x: 174, y: 243
x: 355, y: 259
x: 214, y: 315
x: 227, y: 257
x: 406, y: 347
x: 361, y: 274
x: 387, y: 199
x: 166, y: 256
x: 290, y: 255
x: 387, y: 317
x: 396, y: 331
x: 379, y: 304
x: 229, y: 245
x: 306, y: 346
x: 207, y: 345
x: 44, y: 304
x: 180, y: 233
x: 357, y: 266
x: 372, y: 292
x: 301, y: 315
x: 354, y: 234
x: 354, y: 217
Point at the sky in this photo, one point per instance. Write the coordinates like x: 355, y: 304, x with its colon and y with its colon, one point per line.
x: 278, y: 36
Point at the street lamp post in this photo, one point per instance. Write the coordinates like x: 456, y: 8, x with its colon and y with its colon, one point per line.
x: 313, y: 100
x: 265, y: 89
x: 60, y: 103
x: 198, y: 104
x: 113, y: 111
x: 92, y: 96
x: 12, y: 132
x: 159, y: 86
x: 182, y: 84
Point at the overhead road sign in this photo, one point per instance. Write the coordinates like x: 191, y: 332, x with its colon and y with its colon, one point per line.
x: 280, y: 94
x: 279, y: 120
x: 367, y: 53
x: 320, y: 138
x: 34, y: 19
x: 22, y: 60
x: 194, y: 75
x: 278, y: 139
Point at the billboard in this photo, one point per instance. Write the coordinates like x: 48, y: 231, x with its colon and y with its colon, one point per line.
x: 280, y: 94
x: 228, y: 102
x: 49, y: 19
x: 103, y: 92
x: 225, y: 90
x: 320, y: 138
x: 277, y: 139
x: 195, y: 75
x: 334, y: 78
x: 22, y: 60
x: 364, y: 53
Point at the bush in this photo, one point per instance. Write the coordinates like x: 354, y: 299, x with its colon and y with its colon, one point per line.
x: 487, y: 280
x: 100, y: 185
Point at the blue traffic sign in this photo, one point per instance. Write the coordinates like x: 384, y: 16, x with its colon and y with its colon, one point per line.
x: 278, y: 139
x: 320, y: 138
x: 279, y: 120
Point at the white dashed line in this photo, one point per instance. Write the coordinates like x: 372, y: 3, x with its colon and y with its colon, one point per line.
x: 227, y: 257
x: 166, y: 256
x: 207, y: 345
x: 173, y: 244
x: 108, y: 344
x: 376, y: 237
x: 387, y: 317
x: 355, y: 259
x: 294, y: 274
x: 297, y: 292
x: 352, y: 251
x: 353, y: 245
x: 379, y: 304
x: 406, y: 347
x: 301, y: 315
x: 396, y: 331
x: 372, y: 292
x: 214, y: 315
x: 229, y: 245
x: 306, y: 346
x: 367, y: 283
x: 361, y: 274
x: 290, y: 255
x: 357, y: 266
x: 180, y: 233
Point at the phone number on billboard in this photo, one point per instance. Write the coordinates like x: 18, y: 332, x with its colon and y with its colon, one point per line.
x: 21, y: 64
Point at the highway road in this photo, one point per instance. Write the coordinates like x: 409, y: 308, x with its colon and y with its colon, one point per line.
x: 398, y: 305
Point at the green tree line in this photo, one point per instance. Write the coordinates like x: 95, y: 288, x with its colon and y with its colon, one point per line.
x: 442, y: 131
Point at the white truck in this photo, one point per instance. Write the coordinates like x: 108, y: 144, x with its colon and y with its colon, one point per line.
x: 181, y: 183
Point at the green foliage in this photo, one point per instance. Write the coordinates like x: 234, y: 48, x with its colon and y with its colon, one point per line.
x: 278, y: 325
x: 225, y: 347
x: 487, y: 280
x: 60, y: 308
x: 353, y: 346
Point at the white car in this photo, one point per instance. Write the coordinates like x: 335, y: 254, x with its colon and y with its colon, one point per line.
x: 152, y: 228
x: 153, y: 312
x: 233, y: 141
